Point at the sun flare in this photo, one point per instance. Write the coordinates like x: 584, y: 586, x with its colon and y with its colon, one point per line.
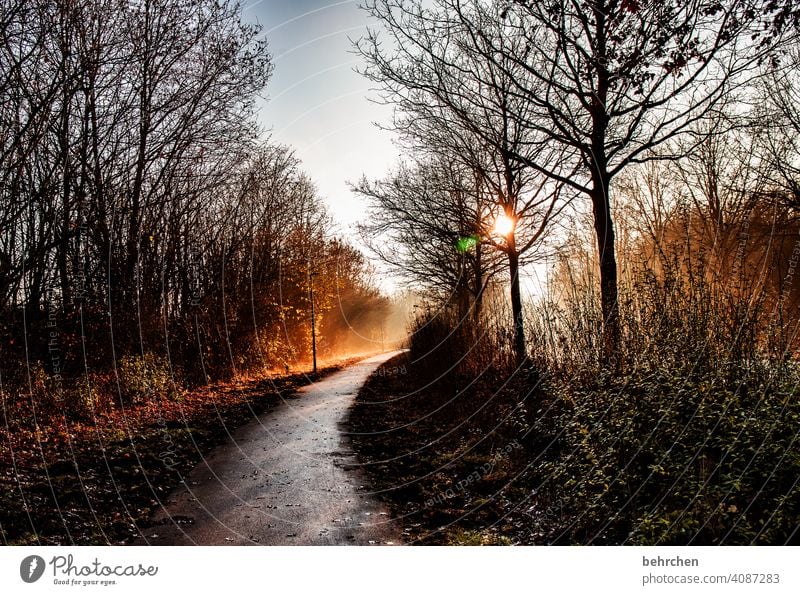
x: 503, y: 225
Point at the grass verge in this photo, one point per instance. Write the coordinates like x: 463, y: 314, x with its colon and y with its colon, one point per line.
x: 644, y: 458
x: 444, y: 460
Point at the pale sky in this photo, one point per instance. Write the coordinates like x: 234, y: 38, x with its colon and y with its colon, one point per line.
x: 317, y: 103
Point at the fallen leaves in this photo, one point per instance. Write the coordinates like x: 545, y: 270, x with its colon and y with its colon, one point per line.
x: 73, y: 482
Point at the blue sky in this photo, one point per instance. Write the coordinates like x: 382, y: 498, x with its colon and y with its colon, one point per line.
x: 317, y: 103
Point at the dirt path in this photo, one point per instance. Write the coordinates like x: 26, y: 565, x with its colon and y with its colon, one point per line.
x: 284, y: 479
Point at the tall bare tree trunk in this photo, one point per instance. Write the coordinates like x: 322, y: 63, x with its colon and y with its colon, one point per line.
x: 601, y: 203
x: 604, y: 229
x: 516, y: 300
x: 477, y: 275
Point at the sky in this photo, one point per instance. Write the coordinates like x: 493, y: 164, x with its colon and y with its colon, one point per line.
x: 318, y: 104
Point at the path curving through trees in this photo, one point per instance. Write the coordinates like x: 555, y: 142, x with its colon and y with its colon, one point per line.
x: 286, y: 478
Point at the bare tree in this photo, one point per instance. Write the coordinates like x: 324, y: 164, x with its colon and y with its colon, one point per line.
x: 455, y: 95
x: 425, y: 222
x: 613, y: 80
x: 778, y: 118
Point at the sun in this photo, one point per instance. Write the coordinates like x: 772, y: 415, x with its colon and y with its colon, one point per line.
x: 503, y: 225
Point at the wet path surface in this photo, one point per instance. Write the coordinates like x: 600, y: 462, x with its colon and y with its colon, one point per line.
x: 285, y: 479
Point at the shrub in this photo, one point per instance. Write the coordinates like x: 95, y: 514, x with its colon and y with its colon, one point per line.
x: 53, y: 396
x: 664, y: 459
x: 689, y: 437
x: 145, y: 378
x: 447, y: 346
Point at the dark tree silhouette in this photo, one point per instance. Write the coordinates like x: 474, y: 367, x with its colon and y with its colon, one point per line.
x: 455, y: 96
